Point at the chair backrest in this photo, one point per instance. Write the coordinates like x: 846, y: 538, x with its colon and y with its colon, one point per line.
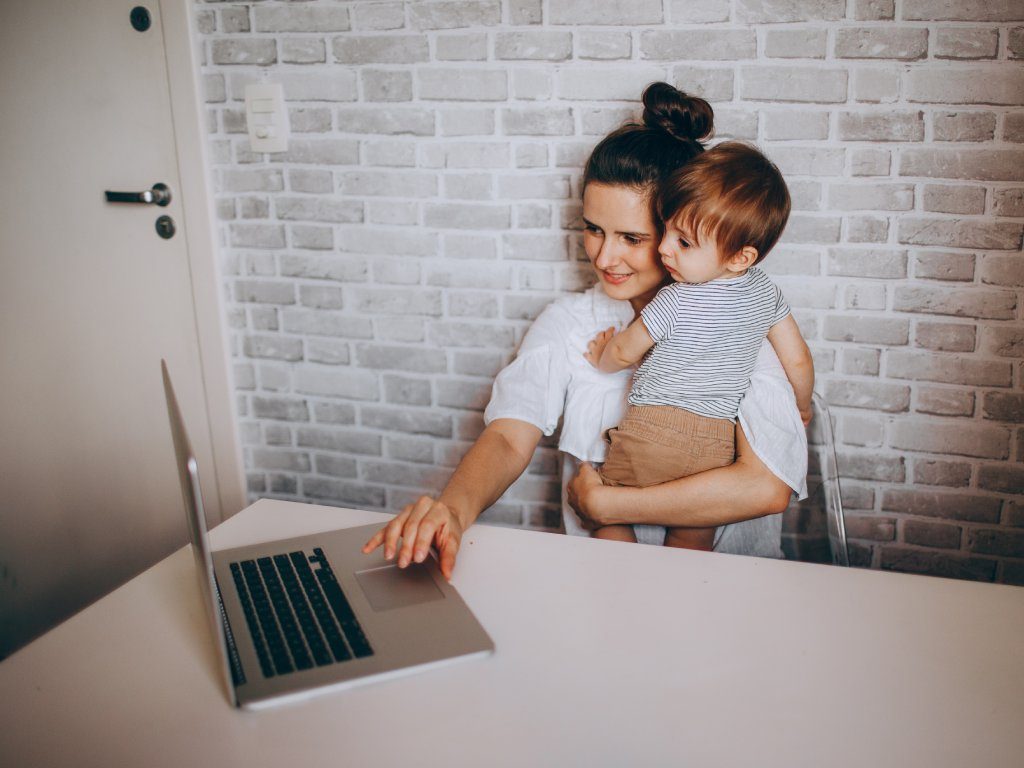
x: 829, y: 469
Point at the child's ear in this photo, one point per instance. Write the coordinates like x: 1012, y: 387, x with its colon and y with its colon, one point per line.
x: 743, y: 259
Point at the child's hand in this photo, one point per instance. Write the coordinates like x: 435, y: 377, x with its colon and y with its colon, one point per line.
x: 805, y: 414
x: 596, y: 346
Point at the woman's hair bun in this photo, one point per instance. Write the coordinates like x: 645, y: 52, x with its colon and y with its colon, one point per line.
x: 685, y: 117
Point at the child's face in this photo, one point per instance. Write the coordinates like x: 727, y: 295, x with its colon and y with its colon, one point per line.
x: 690, y: 258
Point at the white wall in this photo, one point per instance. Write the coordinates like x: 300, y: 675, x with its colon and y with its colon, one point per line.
x: 384, y: 268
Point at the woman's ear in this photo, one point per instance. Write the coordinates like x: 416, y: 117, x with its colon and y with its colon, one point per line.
x: 743, y: 259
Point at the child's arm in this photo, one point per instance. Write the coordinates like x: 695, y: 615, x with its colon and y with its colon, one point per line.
x: 796, y: 360
x: 610, y: 352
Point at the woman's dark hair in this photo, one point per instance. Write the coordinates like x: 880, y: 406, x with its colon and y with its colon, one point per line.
x: 641, y: 155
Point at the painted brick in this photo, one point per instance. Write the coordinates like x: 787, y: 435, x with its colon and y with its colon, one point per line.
x: 872, y: 197
x: 455, y: 13
x: 963, y: 126
x: 346, y: 441
x: 367, y: 240
x: 388, y: 183
x: 461, y: 394
x: 807, y: 161
x: 397, y: 153
x: 612, y: 83
x: 698, y: 11
x: 257, y: 236
x: 871, y: 466
x: 605, y: 12
x: 870, y: 162
x: 468, y: 186
x: 1002, y: 270
x: 869, y: 297
x: 297, y: 18
x: 467, y: 216
x: 387, y: 121
x: 396, y: 358
x: 870, y: 527
x: 735, y: 124
x: 328, y: 352
x: 536, y: 45
x: 350, y: 494
x: 471, y: 335
x: 323, y: 268
x: 944, y: 402
x: 945, y: 337
x: 406, y: 390
x: 531, y: 84
x: 867, y: 263
x: 867, y: 330
x: 525, y: 11
x: 997, y: 542
x: 321, y: 296
x: 1015, y: 43
x: 937, y: 564
x: 1008, y: 202
x: 414, y: 449
x: 942, y: 504
x: 473, y: 304
x: 1013, y: 127
x: 379, y: 16
x: 462, y: 275
x: 476, y: 155
x: 704, y: 44
x: 259, y: 51
x: 307, y: 322
x: 958, y: 302
x: 770, y: 11
x: 546, y: 186
x: 960, y: 233
x: 874, y: 10
x: 269, y: 458
x: 386, y: 85
x: 380, y: 49
x: 443, y: 84
x: 791, y: 124
x: 353, y: 384
x: 318, y: 209
x: 977, y: 84
x: 953, y: 474
x: 959, y: 438
x: 947, y: 369
x: 950, y: 10
x: 398, y: 271
x: 867, y: 229
x: 310, y: 119
x: 860, y: 430
x: 794, y: 84
x: 461, y: 47
x: 711, y: 83
x: 936, y: 535
x: 906, y: 43
x: 320, y: 152
x: 466, y: 122
x: 960, y: 43
x: 537, y: 121
x: 803, y: 228
x: 809, y: 43
x: 881, y: 126
x: 979, y: 164
x: 604, y: 46
x: 954, y: 198
x: 535, y: 247
x: 944, y: 266
x: 393, y: 301
x: 876, y: 85
x: 1003, y: 406
x: 280, y: 408
x: 892, y: 398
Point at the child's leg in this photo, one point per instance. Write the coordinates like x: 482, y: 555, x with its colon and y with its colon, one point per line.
x: 691, y: 538
x: 616, y: 533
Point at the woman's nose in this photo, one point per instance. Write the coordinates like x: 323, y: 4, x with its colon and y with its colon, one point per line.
x: 606, y: 256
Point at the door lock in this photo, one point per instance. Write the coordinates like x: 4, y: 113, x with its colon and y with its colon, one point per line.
x: 160, y: 194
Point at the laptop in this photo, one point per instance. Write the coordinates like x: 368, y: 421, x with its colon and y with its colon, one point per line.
x: 310, y: 614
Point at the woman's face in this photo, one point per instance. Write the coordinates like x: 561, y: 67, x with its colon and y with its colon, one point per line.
x: 621, y: 241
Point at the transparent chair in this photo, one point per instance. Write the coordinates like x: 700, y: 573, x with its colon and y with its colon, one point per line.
x: 822, y: 447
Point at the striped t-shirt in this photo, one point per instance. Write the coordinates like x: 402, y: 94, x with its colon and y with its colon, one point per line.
x: 706, y: 338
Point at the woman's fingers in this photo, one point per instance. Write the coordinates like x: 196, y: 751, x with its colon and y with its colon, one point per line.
x: 412, y: 526
x: 419, y: 525
x: 446, y: 555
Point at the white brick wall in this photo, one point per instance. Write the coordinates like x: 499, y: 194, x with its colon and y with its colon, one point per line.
x: 383, y: 269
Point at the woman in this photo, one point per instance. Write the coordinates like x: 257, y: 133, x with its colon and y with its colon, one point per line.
x: 550, y: 380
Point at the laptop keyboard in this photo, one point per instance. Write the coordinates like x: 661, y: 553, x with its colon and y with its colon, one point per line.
x: 297, y: 613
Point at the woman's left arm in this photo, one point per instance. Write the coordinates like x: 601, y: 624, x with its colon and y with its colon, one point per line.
x: 743, y: 490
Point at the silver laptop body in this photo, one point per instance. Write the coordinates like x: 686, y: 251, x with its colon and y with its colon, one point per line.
x: 313, y: 613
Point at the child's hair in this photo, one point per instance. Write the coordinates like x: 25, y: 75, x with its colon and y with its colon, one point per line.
x: 731, y: 193
x: 640, y: 156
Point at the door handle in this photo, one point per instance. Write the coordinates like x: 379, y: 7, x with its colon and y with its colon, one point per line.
x: 160, y: 194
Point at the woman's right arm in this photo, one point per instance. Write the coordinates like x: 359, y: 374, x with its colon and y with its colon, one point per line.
x: 498, y: 457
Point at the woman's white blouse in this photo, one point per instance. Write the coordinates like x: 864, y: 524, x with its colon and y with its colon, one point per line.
x: 551, y: 380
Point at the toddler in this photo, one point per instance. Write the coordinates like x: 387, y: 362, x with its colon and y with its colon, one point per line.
x: 722, y: 212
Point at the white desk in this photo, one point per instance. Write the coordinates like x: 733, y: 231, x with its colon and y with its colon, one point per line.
x: 607, y: 654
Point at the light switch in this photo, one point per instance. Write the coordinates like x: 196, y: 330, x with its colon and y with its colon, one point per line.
x: 267, y: 117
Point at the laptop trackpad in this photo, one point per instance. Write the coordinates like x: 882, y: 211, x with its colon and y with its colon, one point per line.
x: 393, y: 587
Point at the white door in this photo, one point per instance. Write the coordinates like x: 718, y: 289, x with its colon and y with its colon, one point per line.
x: 91, y: 298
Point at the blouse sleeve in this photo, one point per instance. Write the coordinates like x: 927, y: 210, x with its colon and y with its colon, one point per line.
x: 532, y: 388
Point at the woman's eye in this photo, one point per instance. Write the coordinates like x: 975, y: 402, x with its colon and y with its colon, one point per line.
x: 632, y: 239
x: 592, y: 230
